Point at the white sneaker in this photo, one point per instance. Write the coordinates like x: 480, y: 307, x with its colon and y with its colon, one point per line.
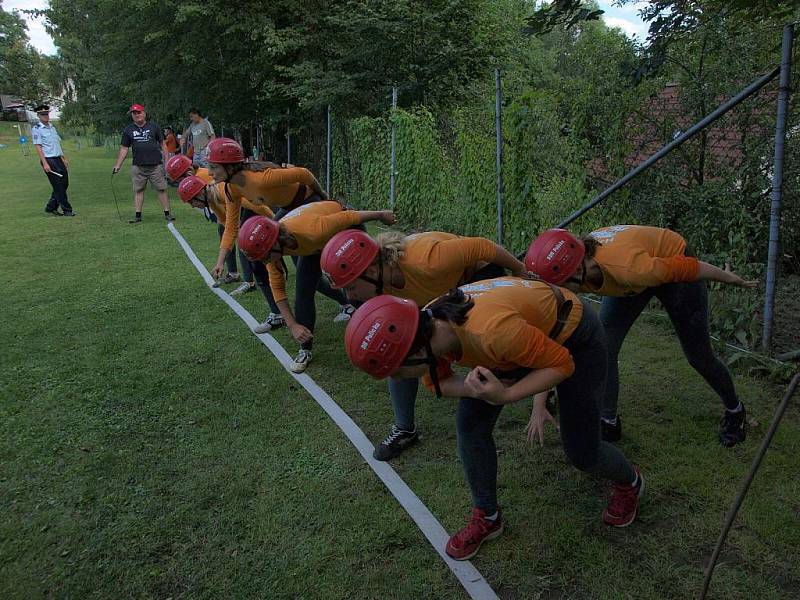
x: 301, y: 361
x: 243, y: 289
x: 273, y: 321
x: 345, y: 314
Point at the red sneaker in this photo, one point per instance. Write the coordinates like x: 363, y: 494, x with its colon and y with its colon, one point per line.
x: 624, y: 502
x: 466, y: 543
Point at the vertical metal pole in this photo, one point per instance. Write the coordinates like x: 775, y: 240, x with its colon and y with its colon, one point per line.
x: 392, y: 161
x: 777, y: 188
x: 288, y: 139
x: 498, y: 117
x: 328, y: 154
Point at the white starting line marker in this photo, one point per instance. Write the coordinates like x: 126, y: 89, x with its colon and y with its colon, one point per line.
x: 470, y: 578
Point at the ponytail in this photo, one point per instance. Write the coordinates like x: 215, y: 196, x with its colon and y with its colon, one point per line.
x: 451, y: 307
x: 590, y: 245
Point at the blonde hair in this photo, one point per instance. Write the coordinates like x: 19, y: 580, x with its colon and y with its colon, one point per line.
x: 392, y: 246
x: 213, y: 196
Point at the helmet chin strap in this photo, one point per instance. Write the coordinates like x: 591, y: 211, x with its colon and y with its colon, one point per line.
x: 430, y: 360
x: 378, y: 283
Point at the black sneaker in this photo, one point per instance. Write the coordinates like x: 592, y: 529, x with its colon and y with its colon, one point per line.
x: 135, y: 220
x: 394, y: 444
x: 53, y: 213
x: 611, y: 432
x: 69, y: 213
x: 733, y: 428
x: 169, y: 218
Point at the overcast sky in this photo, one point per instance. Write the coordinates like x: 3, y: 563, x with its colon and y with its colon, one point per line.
x: 626, y: 18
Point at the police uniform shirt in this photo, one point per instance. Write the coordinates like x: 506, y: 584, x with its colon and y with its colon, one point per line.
x: 47, y: 137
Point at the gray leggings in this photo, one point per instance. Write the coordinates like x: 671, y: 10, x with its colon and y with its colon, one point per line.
x: 687, y: 307
x: 579, y: 416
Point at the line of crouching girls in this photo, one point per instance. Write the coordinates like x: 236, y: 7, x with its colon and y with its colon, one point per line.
x: 431, y: 300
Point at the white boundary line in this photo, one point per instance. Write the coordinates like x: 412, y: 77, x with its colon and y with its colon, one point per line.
x: 471, y: 579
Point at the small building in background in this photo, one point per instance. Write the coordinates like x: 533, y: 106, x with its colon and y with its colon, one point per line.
x: 12, y: 109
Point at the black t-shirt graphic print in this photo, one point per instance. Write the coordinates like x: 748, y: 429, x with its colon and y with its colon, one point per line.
x: 145, y: 141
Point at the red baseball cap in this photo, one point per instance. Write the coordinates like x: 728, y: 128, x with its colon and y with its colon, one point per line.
x: 136, y: 107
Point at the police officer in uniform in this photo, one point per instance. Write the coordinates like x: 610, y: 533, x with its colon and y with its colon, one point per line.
x: 48, y: 146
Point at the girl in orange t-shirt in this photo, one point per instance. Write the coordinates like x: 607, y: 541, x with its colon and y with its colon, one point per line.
x: 209, y: 197
x: 262, y: 183
x: 629, y: 265
x: 170, y: 141
x: 420, y: 267
x: 520, y: 338
x: 302, y: 232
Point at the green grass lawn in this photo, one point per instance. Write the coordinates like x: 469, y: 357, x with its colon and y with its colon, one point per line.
x: 151, y: 447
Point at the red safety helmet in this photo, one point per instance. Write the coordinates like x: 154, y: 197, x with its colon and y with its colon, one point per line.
x: 257, y: 236
x: 347, y: 255
x: 225, y: 151
x: 190, y: 187
x: 380, y: 333
x: 554, y: 256
x: 178, y: 165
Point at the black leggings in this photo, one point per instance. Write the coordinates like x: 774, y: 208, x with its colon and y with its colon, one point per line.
x: 687, y: 307
x: 309, y: 281
x: 578, y: 399
x: 230, y: 260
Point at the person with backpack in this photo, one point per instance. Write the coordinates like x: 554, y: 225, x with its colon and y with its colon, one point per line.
x: 519, y: 338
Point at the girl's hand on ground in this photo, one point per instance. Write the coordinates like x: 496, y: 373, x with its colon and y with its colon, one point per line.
x: 536, y: 424
x: 482, y: 384
x: 300, y: 333
x: 734, y: 279
x: 388, y: 218
x: 216, y: 272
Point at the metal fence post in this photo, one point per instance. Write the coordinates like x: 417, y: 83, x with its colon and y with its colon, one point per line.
x: 288, y: 139
x: 777, y: 188
x: 328, y: 154
x: 498, y: 117
x: 392, y: 160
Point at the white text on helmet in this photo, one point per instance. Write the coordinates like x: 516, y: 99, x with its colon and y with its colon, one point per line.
x: 370, y: 334
x: 344, y: 247
x: 555, y: 249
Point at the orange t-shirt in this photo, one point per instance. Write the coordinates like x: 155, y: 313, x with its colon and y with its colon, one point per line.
x: 203, y: 174
x: 635, y: 257
x: 312, y: 225
x: 434, y: 262
x: 218, y: 205
x: 272, y: 187
x: 172, y: 143
x: 507, y: 328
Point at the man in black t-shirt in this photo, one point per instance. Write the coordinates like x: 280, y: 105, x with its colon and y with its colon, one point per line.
x: 149, y: 158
